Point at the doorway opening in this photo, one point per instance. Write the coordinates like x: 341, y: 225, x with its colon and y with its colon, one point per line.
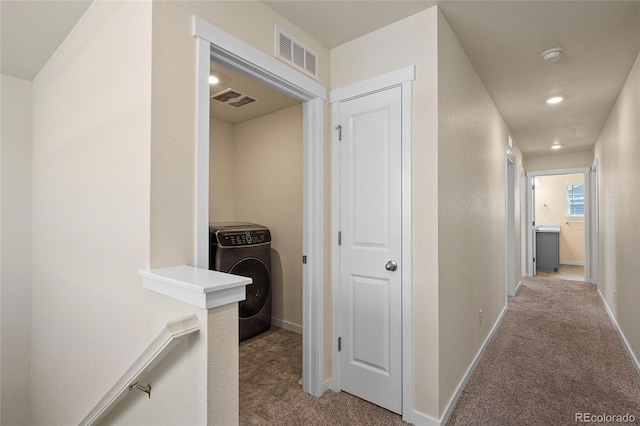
x: 216, y: 45
x: 559, y: 225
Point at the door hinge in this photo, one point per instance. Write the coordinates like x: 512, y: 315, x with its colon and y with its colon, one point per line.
x: 304, y: 259
x: 534, y: 260
x: 339, y: 129
x: 533, y: 223
x: 339, y: 344
x: 339, y: 238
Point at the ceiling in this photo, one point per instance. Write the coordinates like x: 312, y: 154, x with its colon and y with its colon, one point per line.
x: 267, y: 99
x: 503, y: 40
x: 36, y: 27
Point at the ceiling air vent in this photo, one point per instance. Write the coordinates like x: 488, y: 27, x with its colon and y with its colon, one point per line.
x: 233, y: 97
x: 291, y: 51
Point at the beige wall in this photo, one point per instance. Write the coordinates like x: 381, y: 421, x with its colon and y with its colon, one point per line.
x: 173, y: 108
x: 91, y: 219
x: 412, y: 41
x: 551, y: 209
x: 15, y: 250
x: 221, y: 171
x: 555, y: 161
x: 261, y: 159
x: 471, y: 212
x: 618, y: 153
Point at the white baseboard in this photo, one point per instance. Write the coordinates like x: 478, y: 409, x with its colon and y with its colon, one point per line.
x: 472, y: 367
x: 625, y: 343
x: 571, y: 262
x: 286, y: 325
x: 420, y: 419
x: 518, y: 287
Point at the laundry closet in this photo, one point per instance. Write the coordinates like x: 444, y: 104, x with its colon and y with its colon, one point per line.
x: 256, y: 175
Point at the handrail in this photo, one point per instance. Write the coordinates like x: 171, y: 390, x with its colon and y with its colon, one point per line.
x: 167, y: 338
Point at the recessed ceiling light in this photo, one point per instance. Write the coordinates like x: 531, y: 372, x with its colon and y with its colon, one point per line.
x: 556, y: 146
x: 213, y: 79
x: 555, y: 99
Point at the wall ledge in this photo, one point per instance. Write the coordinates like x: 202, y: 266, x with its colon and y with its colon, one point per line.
x: 199, y: 287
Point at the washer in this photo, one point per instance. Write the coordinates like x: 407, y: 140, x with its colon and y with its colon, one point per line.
x: 243, y: 248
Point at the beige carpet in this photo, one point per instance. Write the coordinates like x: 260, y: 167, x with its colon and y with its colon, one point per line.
x: 555, y: 354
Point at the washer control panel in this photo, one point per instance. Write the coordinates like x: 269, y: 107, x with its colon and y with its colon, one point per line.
x: 240, y: 238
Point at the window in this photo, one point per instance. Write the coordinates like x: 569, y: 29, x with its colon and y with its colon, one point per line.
x: 575, y: 199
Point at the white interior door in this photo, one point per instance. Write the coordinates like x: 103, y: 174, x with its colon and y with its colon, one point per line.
x: 533, y: 224
x: 370, y: 249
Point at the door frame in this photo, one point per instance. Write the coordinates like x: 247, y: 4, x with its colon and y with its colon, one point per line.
x: 402, y: 77
x: 595, y: 231
x: 587, y: 214
x: 215, y: 44
x: 510, y: 224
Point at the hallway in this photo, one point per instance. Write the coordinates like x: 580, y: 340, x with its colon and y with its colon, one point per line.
x: 555, y: 356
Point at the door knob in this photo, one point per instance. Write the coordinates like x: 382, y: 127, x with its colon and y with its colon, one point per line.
x: 391, y: 265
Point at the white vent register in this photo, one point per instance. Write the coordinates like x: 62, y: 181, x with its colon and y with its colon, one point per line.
x: 291, y: 51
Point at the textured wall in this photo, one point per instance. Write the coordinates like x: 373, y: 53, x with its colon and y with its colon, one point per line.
x: 555, y: 161
x: 471, y: 212
x: 15, y: 250
x: 618, y: 155
x: 221, y: 171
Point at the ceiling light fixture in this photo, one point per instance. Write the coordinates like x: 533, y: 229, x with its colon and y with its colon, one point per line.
x: 553, y: 54
x: 213, y: 79
x: 556, y: 146
x: 555, y: 100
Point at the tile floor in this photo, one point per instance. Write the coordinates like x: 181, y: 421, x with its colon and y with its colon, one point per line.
x: 270, y: 368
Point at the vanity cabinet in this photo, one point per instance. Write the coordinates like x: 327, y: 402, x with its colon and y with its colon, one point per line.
x: 547, y: 251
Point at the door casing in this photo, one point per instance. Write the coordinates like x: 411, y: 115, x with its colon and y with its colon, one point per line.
x: 587, y: 216
x: 402, y: 77
x: 215, y: 44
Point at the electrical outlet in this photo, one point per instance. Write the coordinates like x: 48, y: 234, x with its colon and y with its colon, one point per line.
x: 480, y: 316
x: 615, y: 296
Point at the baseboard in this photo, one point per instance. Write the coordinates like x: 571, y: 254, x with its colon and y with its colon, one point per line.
x: 625, y: 343
x: 286, y: 325
x: 571, y: 262
x: 518, y: 287
x: 472, y: 367
x: 420, y: 419
x: 326, y: 385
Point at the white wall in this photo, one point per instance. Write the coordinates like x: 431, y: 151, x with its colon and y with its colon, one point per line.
x: 618, y: 153
x: 471, y: 212
x: 15, y: 250
x: 412, y: 41
x: 91, y: 223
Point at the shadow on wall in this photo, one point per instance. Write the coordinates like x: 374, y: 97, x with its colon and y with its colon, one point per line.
x: 277, y: 287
